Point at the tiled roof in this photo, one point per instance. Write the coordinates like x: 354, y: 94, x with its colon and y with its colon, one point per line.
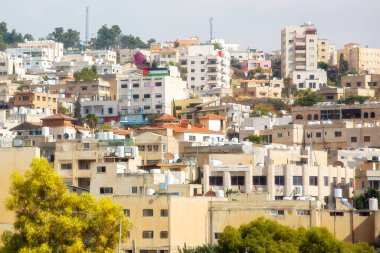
x: 58, y: 116
x: 211, y: 116
x: 167, y: 117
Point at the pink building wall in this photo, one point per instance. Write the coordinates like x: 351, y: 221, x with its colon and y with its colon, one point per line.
x: 254, y: 64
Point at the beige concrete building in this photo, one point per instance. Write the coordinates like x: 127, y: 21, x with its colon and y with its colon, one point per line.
x: 161, y: 223
x: 93, y: 90
x: 259, y: 89
x: 367, y: 82
x: 10, y: 163
x: 36, y: 100
x: 326, y: 52
x: 364, y: 60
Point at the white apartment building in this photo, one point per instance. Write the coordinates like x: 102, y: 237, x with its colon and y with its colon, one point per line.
x: 106, y: 69
x: 299, y: 56
x: 37, y: 54
x: 151, y: 93
x: 102, y: 56
x: 249, y: 54
x: 105, y: 110
x: 9, y: 66
x: 207, y: 68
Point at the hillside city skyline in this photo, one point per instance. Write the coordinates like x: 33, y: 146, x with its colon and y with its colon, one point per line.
x: 259, y: 24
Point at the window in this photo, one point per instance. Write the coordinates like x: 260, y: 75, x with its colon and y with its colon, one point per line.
x: 38, y: 98
x: 84, y: 87
x: 334, y: 181
x: 279, y: 180
x: 216, y: 180
x: 158, y: 107
x: 303, y: 212
x: 25, y: 98
x: 147, y: 212
x: 147, y: 84
x: 237, y: 180
x: 106, y: 190
x: 217, y: 236
x: 134, y: 189
x: 313, y: 180
x: 192, y: 62
x: 259, y: 180
x: 277, y: 212
x: 193, y: 79
x: 351, y: 182
x: 158, y: 95
x: 191, y: 137
x: 124, y: 86
x: 336, y: 214
x: 146, y: 107
x: 136, y: 85
x: 66, y: 166
x: 279, y: 135
x: 135, y: 96
x: 202, y: 70
x: 326, y: 180
x: 338, y: 134
x: 101, y: 169
x: 158, y: 84
x: 127, y: 212
x: 147, y: 234
x: 146, y: 95
x: 354, y: 139
x: 141, y: 147
x: 150, y: 148
x: 318, y: 134
x: 164, y: 212
x: 297, y: 180
x: 358, y: 84
x: 164, y: 234
x: 298, y: 76
x: 343, y: 180
x: 192, y: 70
x: 155, y: 148
x: 367, y: 138
x: 86, y: 146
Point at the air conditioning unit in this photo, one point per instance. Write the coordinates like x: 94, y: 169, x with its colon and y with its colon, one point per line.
x: 298, y: 190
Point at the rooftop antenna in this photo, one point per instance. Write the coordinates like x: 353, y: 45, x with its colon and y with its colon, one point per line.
x: 211, y: 20
x: 87, y: 25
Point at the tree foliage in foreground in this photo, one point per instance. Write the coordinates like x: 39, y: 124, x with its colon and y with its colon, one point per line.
x: 50, y: 219
x: 264, y: 236
x: 87, y: 74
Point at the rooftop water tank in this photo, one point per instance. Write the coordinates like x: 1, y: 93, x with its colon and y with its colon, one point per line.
x: 220, y: 194
x: 373, y: 204
x: 120, y: 151
x: 155, y: 171
x: 45, y: 131
x: 338, y: 193
x: 149, y: 192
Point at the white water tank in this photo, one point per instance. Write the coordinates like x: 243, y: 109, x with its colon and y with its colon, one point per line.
x: 47, y: 111
x: 45, y: 131
x: 33, y: 111
x: 109, y: 135
x: 150, y: 192
x: 235, y: 140
x: 120, y: 151
x: 155, y: 171
x: 338, y: 193
x: 373, y: 204
x: 169, y: 179
x: 15, y: 110
x: 38, y: 110
x: 220, y: 194
x: 22, y: 110
x: 135, y: 151
x: 215, y: 163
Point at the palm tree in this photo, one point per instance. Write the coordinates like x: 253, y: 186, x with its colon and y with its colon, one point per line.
x: 92, y: 121
x: 288, y: 84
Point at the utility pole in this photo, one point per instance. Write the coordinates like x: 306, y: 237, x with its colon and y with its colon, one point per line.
x: 87, y: 25
x: 210, y: 21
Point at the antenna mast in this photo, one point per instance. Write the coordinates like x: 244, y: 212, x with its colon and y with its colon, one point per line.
x: 211, y: 20
x: 87, y: 25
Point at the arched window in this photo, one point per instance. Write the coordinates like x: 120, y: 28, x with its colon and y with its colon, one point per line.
x: 309, y: 117
x: 316, y: 117
x: 299, y: 116
x: 373, y: 115
x: 366, y: 115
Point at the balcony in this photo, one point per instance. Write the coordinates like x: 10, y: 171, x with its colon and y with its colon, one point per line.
x: 300, y: 67
x: 300, y: 43
x: 300, y: 59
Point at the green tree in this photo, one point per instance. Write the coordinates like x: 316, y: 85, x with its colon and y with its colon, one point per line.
x: 92, y: 121
x: 77, y: 111
x: 353, y: 99
x: 107, y: 38
x: 217, y: 46
x: 63, y: 110
x: 254, y: 138
x: 87, y: 74
x: 361, y: 201
x: 323, y: 65
x: 307, y: 97
x: 288, y: 84
x: 343, y: 65
x: 50, y: 219
x: 132, y: 42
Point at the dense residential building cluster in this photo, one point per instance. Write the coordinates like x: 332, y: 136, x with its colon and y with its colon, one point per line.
x: 177, y: 135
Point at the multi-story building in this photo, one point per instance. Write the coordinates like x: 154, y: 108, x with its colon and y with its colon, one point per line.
x: 102, y: 56
x: 151, y: 92
x: 37, y: 55
x: 207, y: 68
x: 364, y: 60
x: 265, y: 65
x: 299, y: 59
x: 127, y: 55
x: 11, y: 66
x: 99, y: 89
x: 326, y: 52
x: 105, y: 110
x: 259, y: 88
x: 367, y: 82
x: 37, y: 100
x: 250, y: 54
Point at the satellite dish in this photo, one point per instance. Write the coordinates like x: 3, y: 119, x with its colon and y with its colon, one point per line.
x: 66, y: 136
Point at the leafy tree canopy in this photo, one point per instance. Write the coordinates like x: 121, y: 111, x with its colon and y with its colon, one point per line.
x: 50, y: 219
x: 323, y: 65
x: 69, y: 38
x: 361, y: 201
x: 307, y: 97
x: 353, y: 99
x: 254, y: 139
x: 87, y: 74
x: 11, y: 38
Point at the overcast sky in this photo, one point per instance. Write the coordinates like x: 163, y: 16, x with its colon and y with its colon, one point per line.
x: 253, y: 23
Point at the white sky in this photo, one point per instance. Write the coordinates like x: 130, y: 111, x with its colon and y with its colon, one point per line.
x: 253, y: 23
